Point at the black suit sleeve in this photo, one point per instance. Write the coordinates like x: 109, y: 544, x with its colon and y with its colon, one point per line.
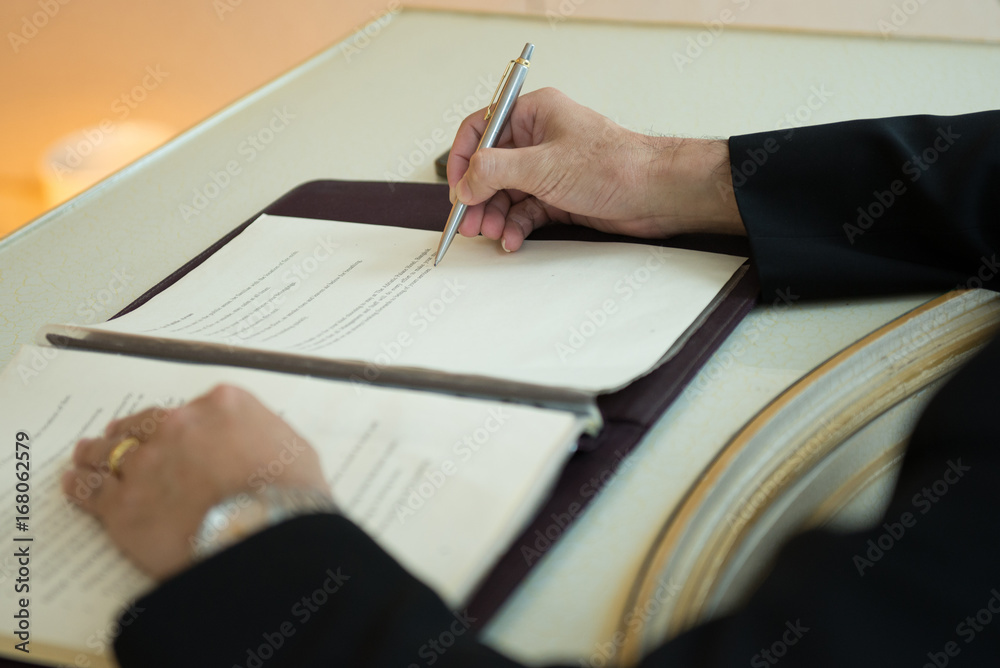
x: 873, y: 207
x: 313, y: 591
x: 922, y: 588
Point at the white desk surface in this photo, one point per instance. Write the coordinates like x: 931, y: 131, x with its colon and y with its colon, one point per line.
x: 358, y: 114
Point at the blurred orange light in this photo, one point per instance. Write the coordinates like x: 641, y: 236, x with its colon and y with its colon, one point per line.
x: 82, y: 158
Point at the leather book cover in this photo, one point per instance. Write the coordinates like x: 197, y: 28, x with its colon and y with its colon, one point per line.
x: 628, y: 413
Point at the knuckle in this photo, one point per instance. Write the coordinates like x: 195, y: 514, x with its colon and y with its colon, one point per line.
x: 533, y: 208
x: 147, y: 457
x: 78, y: 488
x: 171, y: 425
x: 520, y: 217
x: 145, y: 427
x: 476, y: 164
x: 467, y: 123
x: 482, y: 166
x: 129, y: 496
x: 80, y: 452
x: 552, y: 95
x: 128, y: 506
x: 226, y: 396
x: 173, y: 419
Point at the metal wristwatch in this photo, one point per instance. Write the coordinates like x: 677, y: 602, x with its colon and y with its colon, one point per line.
x: 244, y: 514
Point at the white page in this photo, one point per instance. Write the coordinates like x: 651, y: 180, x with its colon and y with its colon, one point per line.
x: 378, y: 446
x: 562, y: 313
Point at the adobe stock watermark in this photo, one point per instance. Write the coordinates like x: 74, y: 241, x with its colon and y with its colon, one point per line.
x: 32, y: 24
x: 251, y: 147
x: 297, y: 269
x: 562, y: 12
x: 790, y: 636
x: 101, y: 641
x: 604, y: 653
x: 899, y: 16
x: 756, y: 158
x: 625, y: 288
x: 912, y: 340
x: 223, y: 7
x: 434, y: 648
x: 143, y: 430
x: 543, y: 539
x: 222, y: 517
x: 802, y: 114
x: 747, y: 507
x: 967, y: 630
x: 99, y: 306
x: 432, y: 479
x: 267, y: 474
x: 301, y: 612
x: 73, y: 153
x: 749, y: 333
x: 363, y: 34
x: 420, y: 320
x: 695, y: 46
x: 914, y: 168
x: 429, y: 147
x: 923, y: 501
x: 988, y: 270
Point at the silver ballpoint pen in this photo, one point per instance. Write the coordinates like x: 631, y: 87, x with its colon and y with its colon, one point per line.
x: 497, y: 114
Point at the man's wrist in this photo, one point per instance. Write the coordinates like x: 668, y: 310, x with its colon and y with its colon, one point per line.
x: 692, y: 185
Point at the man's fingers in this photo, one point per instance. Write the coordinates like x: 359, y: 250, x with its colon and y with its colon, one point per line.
x: 495, y: 215
x: 91, y: 489
x: 467, y: 139
x: 504, y: 219
x: 90, y: 456
x: 90, y: 452
x: 523, y: 218
x: 491, y: 170
x: 76, y: 486
x: 94, y: 452
x: 472, y: 221
x: 142, y: 425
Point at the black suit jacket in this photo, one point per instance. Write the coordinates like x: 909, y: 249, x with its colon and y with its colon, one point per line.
x: 857, y: 208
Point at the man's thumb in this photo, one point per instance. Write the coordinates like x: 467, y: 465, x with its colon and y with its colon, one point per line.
x: 493, y: 169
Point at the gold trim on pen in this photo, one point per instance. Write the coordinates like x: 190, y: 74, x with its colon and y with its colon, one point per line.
x: 491, y: 107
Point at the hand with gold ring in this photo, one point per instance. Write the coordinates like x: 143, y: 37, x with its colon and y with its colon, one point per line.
x: 118, y: 453
x: 152, y: 476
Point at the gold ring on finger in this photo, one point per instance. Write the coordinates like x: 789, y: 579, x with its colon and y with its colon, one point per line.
x: 118, y: 454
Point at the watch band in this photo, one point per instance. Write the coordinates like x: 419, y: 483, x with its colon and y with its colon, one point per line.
x: 246, y: 513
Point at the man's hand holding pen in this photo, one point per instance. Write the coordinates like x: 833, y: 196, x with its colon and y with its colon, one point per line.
x: 573, y: 165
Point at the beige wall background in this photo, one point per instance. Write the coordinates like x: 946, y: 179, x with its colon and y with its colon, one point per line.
x: 72, y: 64
x: 937, y: 19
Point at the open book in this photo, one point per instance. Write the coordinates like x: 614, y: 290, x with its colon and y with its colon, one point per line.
x: 401, y: 374
x: 442, y: 483
x: 555, y: 324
